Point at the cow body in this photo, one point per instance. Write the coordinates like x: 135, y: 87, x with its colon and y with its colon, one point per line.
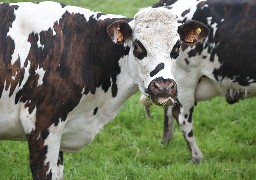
x: 66, y: 71
x: 223, y: 65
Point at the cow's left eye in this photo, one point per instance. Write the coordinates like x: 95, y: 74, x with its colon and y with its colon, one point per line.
x: 138, y: 50
x: 137, y: 47
x: 175, y: 50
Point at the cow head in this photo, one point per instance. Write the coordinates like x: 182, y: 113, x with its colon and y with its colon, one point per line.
x: 154, y: 38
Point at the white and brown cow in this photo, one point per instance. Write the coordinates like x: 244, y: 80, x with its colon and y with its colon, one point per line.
x: 223, y: 65
x: 66, y: 71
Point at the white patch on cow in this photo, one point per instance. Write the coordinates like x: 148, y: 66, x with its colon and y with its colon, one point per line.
x: 15, y: 120
x: 26, y: 75
x: 13, y: 77
x: 86, y: 12
x: 111, y: 16
x: 205, y: 6
x: 156, y: 29
x: 60, y: 170
x: 213, y: 25
x: 28, y: 120
x: 53, y: 144
x: 10, y: 125
x: 40, y: 21
x: 90, y: 14
x: 40, y: 72
x: 39, y: 43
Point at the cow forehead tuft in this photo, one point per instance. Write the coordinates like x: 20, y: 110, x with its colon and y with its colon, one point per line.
x: 160, y: 14
x: 155, y: 25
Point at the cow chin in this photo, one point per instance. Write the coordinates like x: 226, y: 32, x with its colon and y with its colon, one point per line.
x: 163, y: 101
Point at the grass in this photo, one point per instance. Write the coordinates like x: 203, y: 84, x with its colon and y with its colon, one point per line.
x: 129, y: 147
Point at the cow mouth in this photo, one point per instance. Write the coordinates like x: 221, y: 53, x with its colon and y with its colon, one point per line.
x: 164, y: 101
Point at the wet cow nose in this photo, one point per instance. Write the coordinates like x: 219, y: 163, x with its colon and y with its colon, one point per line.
x: 162, y: 87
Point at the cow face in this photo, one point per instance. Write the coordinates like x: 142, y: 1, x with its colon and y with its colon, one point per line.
x: 154, y: 38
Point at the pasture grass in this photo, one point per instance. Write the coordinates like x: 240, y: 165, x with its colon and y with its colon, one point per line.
x: 129, y: 147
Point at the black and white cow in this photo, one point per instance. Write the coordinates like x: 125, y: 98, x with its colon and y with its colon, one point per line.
x: 65, y: 72
x: 223, y: 65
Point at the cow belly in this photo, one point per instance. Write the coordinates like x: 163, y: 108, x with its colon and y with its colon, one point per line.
x: 10, y: 124
x: 83, y: 123
x: 80, y: 132
x: 206, y: 89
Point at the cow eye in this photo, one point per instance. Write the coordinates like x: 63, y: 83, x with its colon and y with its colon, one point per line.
x: 175, y: 50
x: 137, y: 47
x: 138, y: 50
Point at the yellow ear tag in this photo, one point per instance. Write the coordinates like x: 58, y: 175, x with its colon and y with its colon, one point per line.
x: 198, y: 30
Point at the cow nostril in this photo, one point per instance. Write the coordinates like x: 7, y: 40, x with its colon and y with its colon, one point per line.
x: 172, y: 85
x: 156, y: 85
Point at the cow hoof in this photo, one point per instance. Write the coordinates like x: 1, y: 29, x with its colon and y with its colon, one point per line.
x: 147, y: 113
x: 167, y: 139
x: 198, y: 160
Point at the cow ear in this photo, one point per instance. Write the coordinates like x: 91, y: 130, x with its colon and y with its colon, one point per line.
x: 119, y: 31
x: 193, y: 32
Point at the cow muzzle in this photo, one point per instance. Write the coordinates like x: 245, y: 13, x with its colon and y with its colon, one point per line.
x: 163, y: 92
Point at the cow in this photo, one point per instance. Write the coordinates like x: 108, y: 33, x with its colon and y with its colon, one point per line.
x: 66, y: 71
x: 222, y: 65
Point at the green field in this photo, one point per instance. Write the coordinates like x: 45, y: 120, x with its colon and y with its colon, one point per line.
x: 129, y: 147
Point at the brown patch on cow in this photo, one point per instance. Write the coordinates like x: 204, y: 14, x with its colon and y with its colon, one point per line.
x: 10, y: 75
x: 37, y: 155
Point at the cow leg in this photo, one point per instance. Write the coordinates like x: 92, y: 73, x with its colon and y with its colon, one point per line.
x: 60, y: 165
x: 168, y: 125
x: 146, y: 104
x: 184, y: 119
x: 46, y: 162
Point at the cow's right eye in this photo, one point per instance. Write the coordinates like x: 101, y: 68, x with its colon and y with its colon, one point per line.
x: 175, y: 50
x: 174, y: 55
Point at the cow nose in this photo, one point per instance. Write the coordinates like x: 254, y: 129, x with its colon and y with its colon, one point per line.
x: 163, y: 87
x: 162, y: 90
